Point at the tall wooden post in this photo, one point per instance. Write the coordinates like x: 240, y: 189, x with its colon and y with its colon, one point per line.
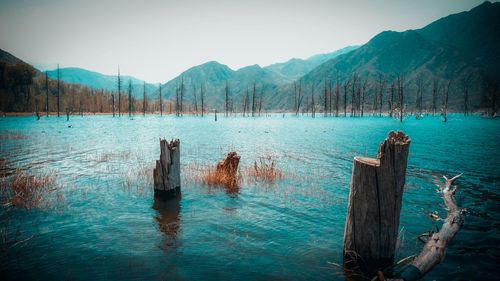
x: 372, y: 222
x: 166, y: 175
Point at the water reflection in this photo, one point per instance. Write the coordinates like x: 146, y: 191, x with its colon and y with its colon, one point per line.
x: 168, y: 219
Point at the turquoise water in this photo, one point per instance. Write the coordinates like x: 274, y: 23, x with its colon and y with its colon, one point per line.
x: 107, y: 225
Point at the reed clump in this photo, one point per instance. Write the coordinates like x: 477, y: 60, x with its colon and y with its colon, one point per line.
x: 31, y: 191
x: 225, y: 174
x: 265, y: 169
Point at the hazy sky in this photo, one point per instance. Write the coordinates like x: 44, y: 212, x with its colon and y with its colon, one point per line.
x: 157, y: 40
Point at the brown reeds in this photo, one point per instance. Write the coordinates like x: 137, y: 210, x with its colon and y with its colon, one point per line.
x: 225, y: 174
x: 30, y: 191
x: 265, y: 169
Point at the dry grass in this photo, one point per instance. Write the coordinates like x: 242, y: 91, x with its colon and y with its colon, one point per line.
x: 265, y: 169
x: 218, y: 177
x: 28, y: 191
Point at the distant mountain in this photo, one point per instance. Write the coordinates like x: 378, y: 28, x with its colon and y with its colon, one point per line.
x: 296, y: 68
x: 98, y: 81
x: 450, y: 48
x: 213, y: 76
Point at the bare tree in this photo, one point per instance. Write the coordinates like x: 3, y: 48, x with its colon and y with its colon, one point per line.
x: 419, y: 82
x: 391, y: 100
x: 353, y: 94
x: 182, y: 96
x: 490, y: 94
x: 325, y: 100
x: 47, y: 93
x: 466, y: 83
x: 445, y: 100
x: 144, y: 102
x: 299, y: 98
x: 313, y: 105
x: 435, y: 90
x: 337, y: 94
x: 113, y: 104
x: 363, y: 91
x: 129, y: 98
x: 195, y: 101
x: 119, y: 93
x: 161, y: 102
x: 202, y: 97
x: 58, y: 90
x: 253, y: 101
x: 401, y: 86
x: 346, y: 89
x: 227, y: 99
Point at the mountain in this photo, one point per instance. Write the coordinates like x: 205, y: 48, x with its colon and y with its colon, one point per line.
x: 453, y: 47
x: 8, y: 58
x: 213, y: 76
x: 98, y: 81
x: 295, y: 68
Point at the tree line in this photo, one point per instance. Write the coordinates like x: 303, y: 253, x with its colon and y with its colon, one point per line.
x: 23, y: 89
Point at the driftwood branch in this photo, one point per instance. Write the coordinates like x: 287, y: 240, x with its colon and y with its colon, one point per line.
x: 434, y: 249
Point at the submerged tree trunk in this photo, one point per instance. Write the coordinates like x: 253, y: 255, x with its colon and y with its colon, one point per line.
x: 372, y: 221
x: 435, y: 248
x: 166, y: 175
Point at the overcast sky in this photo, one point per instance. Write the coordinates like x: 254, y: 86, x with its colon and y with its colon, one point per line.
x: 157, y: 40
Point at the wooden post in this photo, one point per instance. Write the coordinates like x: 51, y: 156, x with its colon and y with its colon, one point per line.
x: 166, y: 175
x: 372, y: 221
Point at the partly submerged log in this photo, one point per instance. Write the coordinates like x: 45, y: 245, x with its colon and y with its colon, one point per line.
x: 166, y: 175
x: 435, y: 248
x: 375, y: 198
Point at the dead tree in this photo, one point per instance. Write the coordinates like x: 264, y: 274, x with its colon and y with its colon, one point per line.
x: 177, y: 105
x: 434, y: 249
x: 47, y: 93
x: 313, y: 105
x: 113, y: 104
x: 202, y: 98
x: 331, y: 98
x: 353, y: 94
x: 346, y: 88
x: 253, y: 101
x: 435, y: 90
x: 418, y: 102
x: 382, y: 84
x: 446, y: 92
x: 294, y: 96
x: 144, y: 102
x: 363, y: 92
x: 195, y: 101
x: 401, y: 87
x: 466, y: 83
x: 375, y: 198
x: 490, y: 95
x: 129, y: 98
x: 159, y: 97
x: 58, y: 90
x: 337, y: 94
x: 261, y: 99
x: 325, y: 100
x: 182, y: 97
x: 226, y: 103
x: 119, y: 93
x: 166, y: 175
x: 391, y: 100
x: 299, y: 98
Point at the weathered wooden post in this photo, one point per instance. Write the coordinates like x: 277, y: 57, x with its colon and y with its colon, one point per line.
x: 372, y: 222
x: 166, y: 175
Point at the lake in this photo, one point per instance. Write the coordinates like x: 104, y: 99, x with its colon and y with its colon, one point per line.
x: 106, y: 224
